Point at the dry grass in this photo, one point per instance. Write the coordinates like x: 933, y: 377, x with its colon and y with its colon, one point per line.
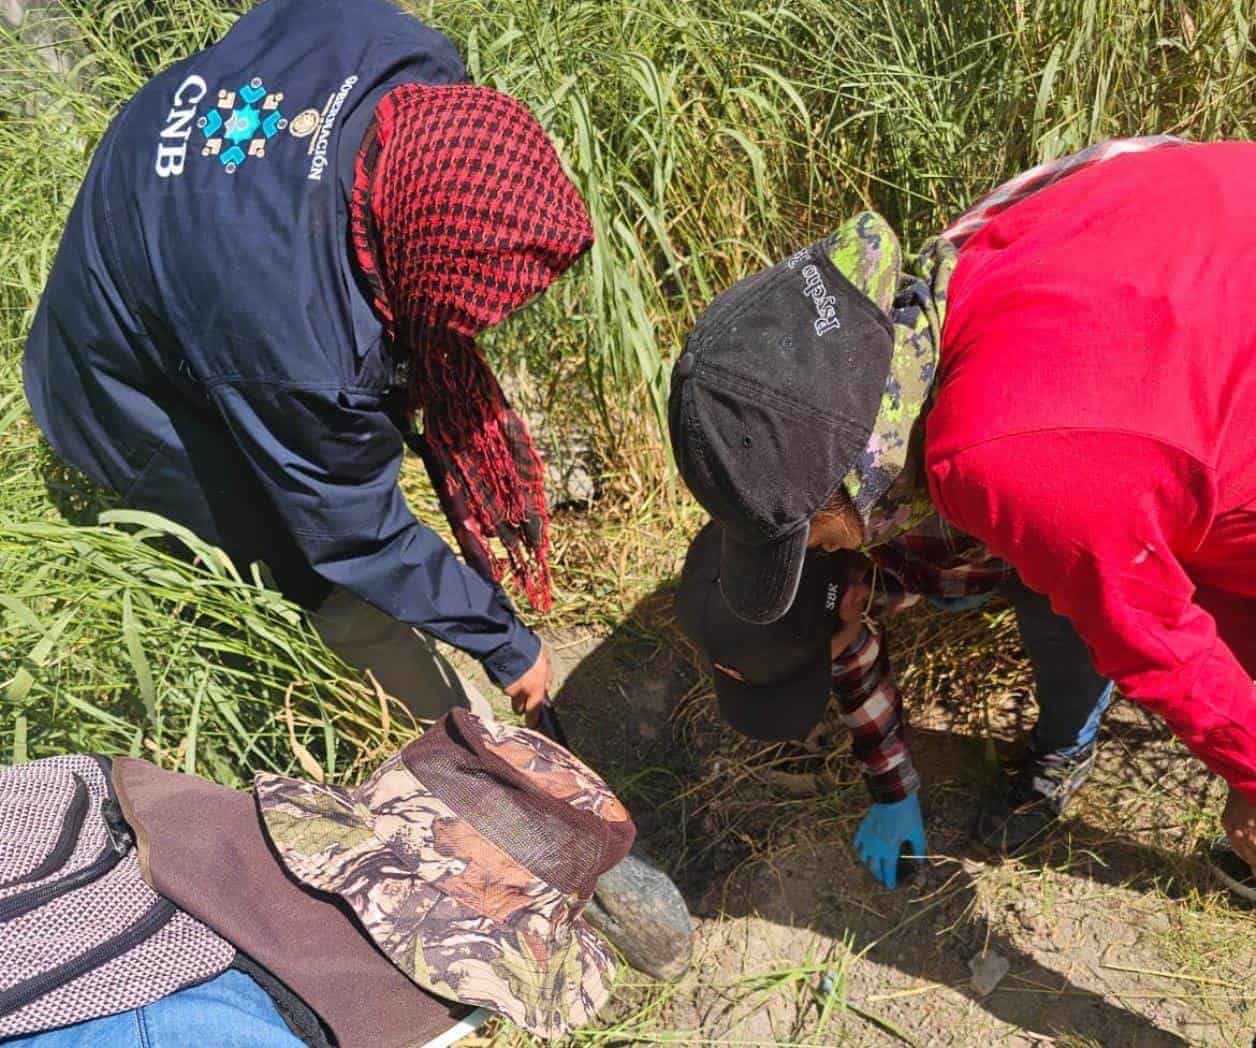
x: 1128, y: 857
x: 709, y: 137
x: 1115, y: 932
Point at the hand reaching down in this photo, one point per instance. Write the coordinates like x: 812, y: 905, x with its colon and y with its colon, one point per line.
x: 884, y: 832
x: 1239, y: 822
x: 530, y: 691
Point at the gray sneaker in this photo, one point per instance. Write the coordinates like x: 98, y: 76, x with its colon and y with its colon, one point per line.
x: 1039, y: 787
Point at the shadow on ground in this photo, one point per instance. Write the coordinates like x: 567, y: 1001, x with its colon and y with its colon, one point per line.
x: 77, y: 498
x: 765, y: 862
x: 1108, y: 929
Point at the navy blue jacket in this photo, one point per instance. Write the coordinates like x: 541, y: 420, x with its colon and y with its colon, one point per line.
x: 204, y: 346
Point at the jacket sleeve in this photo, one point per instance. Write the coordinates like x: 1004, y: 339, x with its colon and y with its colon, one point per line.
x: 329, y: 460
x: 1096, y: 520
x: 872, y: 708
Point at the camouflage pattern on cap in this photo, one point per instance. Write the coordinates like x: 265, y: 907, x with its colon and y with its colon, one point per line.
x: 451, y: 909
x: 868, y: 254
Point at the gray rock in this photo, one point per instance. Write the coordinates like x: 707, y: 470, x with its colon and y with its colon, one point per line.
x: 638, y: 908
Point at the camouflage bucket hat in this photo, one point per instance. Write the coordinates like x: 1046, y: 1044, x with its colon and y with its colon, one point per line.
x: 469, y: 858
x: 866, y: 251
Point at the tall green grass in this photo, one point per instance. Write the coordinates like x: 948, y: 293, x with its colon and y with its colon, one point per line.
x: 708, y: 137
x: 711, y: 137
x: 124, y: 648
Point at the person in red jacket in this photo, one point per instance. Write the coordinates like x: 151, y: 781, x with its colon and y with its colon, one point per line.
x: 1068, y: 377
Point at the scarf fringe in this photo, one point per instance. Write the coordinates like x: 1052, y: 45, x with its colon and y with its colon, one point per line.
x: 461, y: 212
x: 470, y: 426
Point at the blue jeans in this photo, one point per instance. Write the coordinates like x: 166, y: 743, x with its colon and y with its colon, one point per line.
x: 230, y: 1011
x: 1072, y: 695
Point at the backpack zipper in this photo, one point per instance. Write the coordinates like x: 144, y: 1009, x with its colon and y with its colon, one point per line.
x: 118, y: 844
x: 152, y: 920
x: 71, y: 827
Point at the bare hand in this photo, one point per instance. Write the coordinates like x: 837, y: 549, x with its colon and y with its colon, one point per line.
x: 530, y: 692
x: 851, y: 613
x: 1239, y: 822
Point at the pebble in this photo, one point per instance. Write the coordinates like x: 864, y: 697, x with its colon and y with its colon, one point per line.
x: 988, y: 969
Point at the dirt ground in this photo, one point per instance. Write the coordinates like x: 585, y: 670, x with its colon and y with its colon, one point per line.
x: 1112, y: 930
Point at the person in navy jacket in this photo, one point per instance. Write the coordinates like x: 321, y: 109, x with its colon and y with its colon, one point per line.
x: 271, y: 282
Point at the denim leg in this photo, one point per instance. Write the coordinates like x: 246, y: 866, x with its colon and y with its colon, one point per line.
x: 111, y: 1031
x: 229, y: 1010
x: 1072, y: 695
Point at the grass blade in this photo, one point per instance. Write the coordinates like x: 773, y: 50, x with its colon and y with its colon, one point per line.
x: 139, y: 661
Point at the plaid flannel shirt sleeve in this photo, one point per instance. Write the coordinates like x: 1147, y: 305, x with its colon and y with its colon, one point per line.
x: 872, y: 709
x: 934, y: 561
x: 938, y: 562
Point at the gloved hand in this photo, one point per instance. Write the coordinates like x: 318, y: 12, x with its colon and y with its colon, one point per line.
x: 882, y: 834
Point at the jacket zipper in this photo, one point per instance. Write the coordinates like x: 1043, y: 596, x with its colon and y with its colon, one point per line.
x: 154, y: 918
x: 66, y: 839
x: 118, y: 844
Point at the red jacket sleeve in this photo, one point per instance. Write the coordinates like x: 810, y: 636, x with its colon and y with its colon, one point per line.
x: 1097, y: 521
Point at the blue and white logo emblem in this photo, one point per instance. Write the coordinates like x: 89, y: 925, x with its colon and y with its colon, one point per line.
x: 241, y: 124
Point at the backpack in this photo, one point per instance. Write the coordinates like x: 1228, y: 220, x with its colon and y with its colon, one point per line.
x: 81, y: 933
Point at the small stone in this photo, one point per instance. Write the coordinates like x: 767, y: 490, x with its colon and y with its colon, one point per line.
x: 828, y: 981
x: 988, y: 969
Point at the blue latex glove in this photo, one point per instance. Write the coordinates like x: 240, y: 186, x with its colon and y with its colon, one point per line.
x: 881, y: 836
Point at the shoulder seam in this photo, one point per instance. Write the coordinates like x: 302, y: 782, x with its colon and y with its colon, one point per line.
x: 1117, y: 430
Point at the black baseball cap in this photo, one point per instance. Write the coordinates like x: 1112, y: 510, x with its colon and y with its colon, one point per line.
x: 772, y: 402
x: 772, y: 681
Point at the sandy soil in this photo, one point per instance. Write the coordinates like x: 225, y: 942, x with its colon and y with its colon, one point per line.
x: 1112, y: 931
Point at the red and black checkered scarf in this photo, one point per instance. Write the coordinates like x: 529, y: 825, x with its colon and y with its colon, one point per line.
x: 461, y: 213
